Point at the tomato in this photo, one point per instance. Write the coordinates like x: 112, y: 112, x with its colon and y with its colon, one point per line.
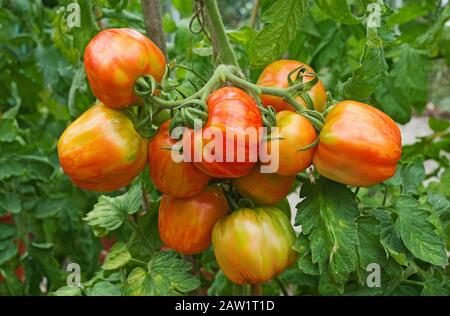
x: 264, y: 188
x: 294, y: 132
x: 233, y: 115
x: 115, y: 58
x: 185, y: 224
x: 178, y: 179
x: 359, y: 145
x: 7, y: 218
x: 101, y: 151
x: 254, y: 245
x: 275, y: 75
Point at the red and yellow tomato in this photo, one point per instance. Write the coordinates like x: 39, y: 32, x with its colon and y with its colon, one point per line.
x: 359, y: 145
x: 254, y: 245
x: 294, y: 132
x: 178, y: 179
x: 264, y: 188
x: 115, y: 58
x: 229, y: 143
x: 275, y: 75
x: 101, y: 151
x: 185, y: 224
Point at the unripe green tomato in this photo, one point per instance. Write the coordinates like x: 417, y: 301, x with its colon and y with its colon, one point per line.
x: 254, y: 245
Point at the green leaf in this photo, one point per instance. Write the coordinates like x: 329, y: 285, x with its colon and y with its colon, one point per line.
x: 242, y: 36
x: 221, y: 285
x: 438, y: 125
x: 105, y: 288
x: 9, y: 129
x: 7, y: 231
x: 409, y: 175
x: 110, y: 212
x: 372, y: 65
x: 8, y: 253
x: 339, y: 10
x: 117, y: 257
x: 434, y: 287
x: 167, y: 274
x: 418, y: 234
x: 283, y: 20
x: 327, y: 215
x: 67, y: 291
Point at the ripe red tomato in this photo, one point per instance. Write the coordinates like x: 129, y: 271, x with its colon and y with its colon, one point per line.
x: 264, y: 188
x: 294, y: 132
x: 7, y: 218
x: 115, y: 58
x: 275, y: 75
x: 254, y: 245
x: 178, y: 179
x: 233, y: 115
x: 101, y: 151
x: 359, y: 145
x: 185, y: 224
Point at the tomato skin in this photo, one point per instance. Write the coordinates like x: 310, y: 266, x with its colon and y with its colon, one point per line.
x: 185, y: 224
x: 101, y: 151
x: 233, y: 108
x: 7, y: 218
x: 275, y: 75
x: 294, y: 132
x: 254, y: 245
x: 359, y: 145
x: 264, y: 188
x: 178, y: 179
x: 115, y: 58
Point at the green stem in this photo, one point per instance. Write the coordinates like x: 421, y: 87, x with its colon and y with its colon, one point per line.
x: 385, y: 194
x: 226, y: 53
x: 138, y: 231
x: 282, y: 286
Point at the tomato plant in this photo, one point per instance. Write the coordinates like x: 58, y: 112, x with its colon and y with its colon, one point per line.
x: 353, y: 96
x: 246, y: 242
x: 185, y: 224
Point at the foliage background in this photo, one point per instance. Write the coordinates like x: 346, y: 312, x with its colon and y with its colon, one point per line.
x: 403, y: 70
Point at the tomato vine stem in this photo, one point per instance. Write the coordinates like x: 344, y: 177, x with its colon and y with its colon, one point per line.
x: 230, y: 73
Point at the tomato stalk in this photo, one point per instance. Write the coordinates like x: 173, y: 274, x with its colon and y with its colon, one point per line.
x: 226, y: 53
x: 229, y: 73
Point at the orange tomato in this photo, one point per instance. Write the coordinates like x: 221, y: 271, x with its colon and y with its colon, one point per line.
x: 115, y: 58
x: 294, y: 132
x: 185, y: 224
x: 178, y: 179
x: 359, y: 145
x: 264, y: 188
x: 275, y: 75
x: 232, y: 115
x: 101, y: 151
x: 254, y: 245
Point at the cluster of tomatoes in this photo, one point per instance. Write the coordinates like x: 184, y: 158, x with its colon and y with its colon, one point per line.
x: 102, y: 151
